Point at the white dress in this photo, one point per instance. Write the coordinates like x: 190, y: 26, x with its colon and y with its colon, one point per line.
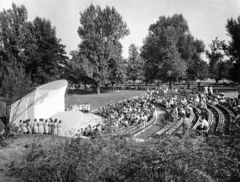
x: 59, y: 129
x: 46, y: 128
x: 24, y: 127
x: 35, y: 127
x: 40, y: 127
x: 55, y: 128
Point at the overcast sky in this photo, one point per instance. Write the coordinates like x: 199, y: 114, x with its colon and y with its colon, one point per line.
x: 206, y: 18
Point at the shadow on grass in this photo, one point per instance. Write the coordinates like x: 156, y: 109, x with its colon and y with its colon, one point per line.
x: 84, y: 92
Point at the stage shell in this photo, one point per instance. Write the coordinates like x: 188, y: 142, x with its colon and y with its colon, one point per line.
x: 44, y: 102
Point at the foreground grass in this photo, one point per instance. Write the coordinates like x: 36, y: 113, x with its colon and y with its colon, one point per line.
x: 102, y: 99
x: 17, y: 148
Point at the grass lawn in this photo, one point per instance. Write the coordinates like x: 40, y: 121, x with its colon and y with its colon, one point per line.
x: 99, y: 100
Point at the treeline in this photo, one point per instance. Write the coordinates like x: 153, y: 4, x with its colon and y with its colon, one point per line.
x: 31, y: 52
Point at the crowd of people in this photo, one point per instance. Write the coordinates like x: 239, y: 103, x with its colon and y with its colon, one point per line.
x: 128, y: 112
x: 41, y: 126
x: 78, y: 107
x: 139, y: 110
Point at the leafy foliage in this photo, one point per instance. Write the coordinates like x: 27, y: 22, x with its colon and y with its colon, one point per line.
x: 134, y: 63
x: 233, y: 51
x: 33, y: 45
x: 170, y: 51
x: 100, y: 32
x: 191, y: 158
x: 215, y: 56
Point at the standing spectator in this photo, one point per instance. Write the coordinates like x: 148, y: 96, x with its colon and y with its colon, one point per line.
x: 210, y: 91
x: 29, y: 127
x: 24, y: 127
x: 40, y: 126
x: 59, y: 128
x: 206, y: 90
x: 35, y: 126
x: 19, y: 127
x: 55, y: 127
x: 46, y: 127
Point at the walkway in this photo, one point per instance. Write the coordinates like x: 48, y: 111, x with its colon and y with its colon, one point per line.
x: 155, y: 127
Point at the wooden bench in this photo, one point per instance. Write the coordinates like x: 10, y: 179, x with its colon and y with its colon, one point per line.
x: 221, y: 119
x: 210, y: 118
x: 198, y: 112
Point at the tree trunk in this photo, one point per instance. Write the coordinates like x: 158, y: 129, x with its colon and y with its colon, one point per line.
x: 85, y: 86
x: 97, y: 88
x: 112, y: 86
x: 170, y: 83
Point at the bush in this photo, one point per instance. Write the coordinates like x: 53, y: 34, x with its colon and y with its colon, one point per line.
x: 116, y: 159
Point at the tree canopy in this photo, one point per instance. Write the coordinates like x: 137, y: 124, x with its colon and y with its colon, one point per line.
x: 233, y: 49
x: 170, y: 51
x: 31, y: 45
x: 134, y: 63
x: 100, y: 31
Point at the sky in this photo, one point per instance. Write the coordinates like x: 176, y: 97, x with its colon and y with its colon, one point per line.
x: 206, y: 18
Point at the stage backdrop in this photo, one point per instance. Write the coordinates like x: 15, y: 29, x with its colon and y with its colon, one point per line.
x: 44, y: 102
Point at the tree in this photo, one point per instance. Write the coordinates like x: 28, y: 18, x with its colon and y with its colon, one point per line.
x: 134, y: 63
x: 161, y: 50
x: 32, y: 44
x: 233, y: 49
x: 77, y: 69
x: 47, y: 61
x: 224, y: 69
x: 215, y: 56
x: 13, y: 36
x: 100, y: 31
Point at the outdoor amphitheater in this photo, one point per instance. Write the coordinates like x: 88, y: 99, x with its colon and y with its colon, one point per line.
x: 119, y: 91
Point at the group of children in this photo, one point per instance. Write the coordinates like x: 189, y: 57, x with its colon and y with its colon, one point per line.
x: 41, y: 126
x: 79, y: 107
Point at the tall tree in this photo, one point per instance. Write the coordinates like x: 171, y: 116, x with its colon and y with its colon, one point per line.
x: 161, y: 50
x: 33, y: 45
x: 47, y: 60
x: 215, y: 56
x: 134, y: 63
x: 100, y: 31
x: 233, y: 50
x: 12, y: 37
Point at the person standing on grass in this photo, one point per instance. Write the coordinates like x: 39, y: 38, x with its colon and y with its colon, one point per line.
x: 19, y: 127
x: 24, y: 127
x: 59, y: 128
x: 40, y: 126
x: 46, y: 128
x: 206, y: 90
x: 29, y: 126
x: 55, y: 127
x: 35, y: 126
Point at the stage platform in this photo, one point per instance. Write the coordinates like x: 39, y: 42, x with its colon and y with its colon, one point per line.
x: 73, y: 121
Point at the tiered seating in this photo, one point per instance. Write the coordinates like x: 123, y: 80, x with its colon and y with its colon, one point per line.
x: 221, y: 119
x: 210, y: 118
x: 198, y: 112
x: 229, y: 117
x: 230, y: 113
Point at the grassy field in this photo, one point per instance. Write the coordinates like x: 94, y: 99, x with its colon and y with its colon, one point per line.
x: 102, y: 99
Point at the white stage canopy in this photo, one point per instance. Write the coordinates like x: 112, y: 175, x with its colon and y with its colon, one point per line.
x: 44, y: 102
